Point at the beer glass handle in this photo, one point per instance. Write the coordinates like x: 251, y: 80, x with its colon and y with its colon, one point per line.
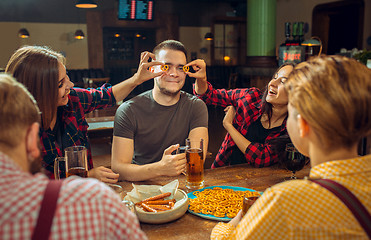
x: 56, y: 167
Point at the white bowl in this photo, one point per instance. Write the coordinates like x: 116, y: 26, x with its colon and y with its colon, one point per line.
x: 179, y: 209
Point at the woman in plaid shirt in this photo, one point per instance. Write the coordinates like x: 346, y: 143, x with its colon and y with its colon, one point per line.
x: 252, y: 119
x: 63, y: 107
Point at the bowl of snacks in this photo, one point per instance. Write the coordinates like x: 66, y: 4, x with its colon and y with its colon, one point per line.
x: 158, y: 204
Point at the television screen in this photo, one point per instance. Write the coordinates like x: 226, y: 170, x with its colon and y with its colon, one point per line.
x: 135, y: 10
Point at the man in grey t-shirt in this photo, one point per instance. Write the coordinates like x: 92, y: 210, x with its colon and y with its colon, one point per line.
x: 149, y: 127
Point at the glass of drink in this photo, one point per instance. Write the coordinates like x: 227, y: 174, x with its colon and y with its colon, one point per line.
x: 59, y: 168
x: 195, y: 164
x: 294, y: 160
x: 76, y: 161
x: 118, y: 189
x: 249, y: 199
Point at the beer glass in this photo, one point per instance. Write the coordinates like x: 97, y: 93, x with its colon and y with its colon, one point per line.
x: 248, y: 201
x: 59, y: 168
x: 76, y: 161
x: 195, y: 163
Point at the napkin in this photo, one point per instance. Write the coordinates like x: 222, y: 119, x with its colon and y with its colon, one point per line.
x: 141, y: 192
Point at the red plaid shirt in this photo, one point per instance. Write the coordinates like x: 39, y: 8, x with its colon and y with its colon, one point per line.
x: 75, y: 127
x: 248, y: 103
x: 86, y: 208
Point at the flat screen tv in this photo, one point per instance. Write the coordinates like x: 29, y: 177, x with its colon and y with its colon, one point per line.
x: 135, y: 10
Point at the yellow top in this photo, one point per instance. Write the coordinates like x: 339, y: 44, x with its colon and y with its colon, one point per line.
x: 300, y: 209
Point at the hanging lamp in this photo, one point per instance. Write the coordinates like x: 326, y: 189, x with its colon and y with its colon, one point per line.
x: 23, y: 33
x: 79, y: 34
x: 209, y: 36
x: 86, y: 4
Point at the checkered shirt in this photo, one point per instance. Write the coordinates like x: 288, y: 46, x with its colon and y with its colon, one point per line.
x: 86, y: 208
x: 301, y: 209
x: 247, y: 103
x: 81, y: 101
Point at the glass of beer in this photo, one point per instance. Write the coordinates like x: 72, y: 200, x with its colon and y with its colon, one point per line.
x: 195, y: 163
x: 76, y: 161
x: 59, y: 168
x: 249, y: 199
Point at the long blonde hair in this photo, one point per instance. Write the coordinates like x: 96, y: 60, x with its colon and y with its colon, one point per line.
x: 333, y: 94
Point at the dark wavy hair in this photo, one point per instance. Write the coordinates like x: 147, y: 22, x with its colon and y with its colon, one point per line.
x: 266, y: 106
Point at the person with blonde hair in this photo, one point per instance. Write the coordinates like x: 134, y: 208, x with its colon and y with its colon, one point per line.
x: 84, y: 208
x: 329, y: 113
x: 63, y: 107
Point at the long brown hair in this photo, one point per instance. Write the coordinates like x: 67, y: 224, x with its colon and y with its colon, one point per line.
x: 266, y: 106
x: 37, y: 67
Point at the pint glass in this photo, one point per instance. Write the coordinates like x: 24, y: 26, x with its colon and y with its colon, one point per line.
x: 76, y: 161
x: 195, y: 163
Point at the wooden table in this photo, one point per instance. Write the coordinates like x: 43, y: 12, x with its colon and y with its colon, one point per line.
x: 190, y: 226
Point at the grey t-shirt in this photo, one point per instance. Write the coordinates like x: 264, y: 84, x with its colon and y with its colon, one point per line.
x: 155, y: 127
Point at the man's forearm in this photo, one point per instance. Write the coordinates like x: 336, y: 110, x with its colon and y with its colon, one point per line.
x: 134, y: 172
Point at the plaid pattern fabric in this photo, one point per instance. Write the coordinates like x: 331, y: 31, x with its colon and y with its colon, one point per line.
x: 86, y: 208
x: 247, y: 103
x: 81, y: 101
x: 301, y: 209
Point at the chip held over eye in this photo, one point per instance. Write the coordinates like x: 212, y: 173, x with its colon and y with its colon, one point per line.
x: 165, y: 67
x: 185, y: 68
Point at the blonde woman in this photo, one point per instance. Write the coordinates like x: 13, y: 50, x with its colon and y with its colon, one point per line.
x: 329, y: 112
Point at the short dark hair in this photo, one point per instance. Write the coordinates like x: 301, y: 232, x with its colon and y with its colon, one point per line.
x: 172, y: 45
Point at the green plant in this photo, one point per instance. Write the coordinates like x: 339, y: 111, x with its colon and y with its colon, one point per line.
x: 363, y: 56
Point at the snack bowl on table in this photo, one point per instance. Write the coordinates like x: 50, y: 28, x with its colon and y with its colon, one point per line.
x: 179, y: 209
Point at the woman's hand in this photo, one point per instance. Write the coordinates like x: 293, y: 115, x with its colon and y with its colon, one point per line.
x: 230, y: 114
x: 144, y: 72
x: 199, y: 66
x: 103, y: 174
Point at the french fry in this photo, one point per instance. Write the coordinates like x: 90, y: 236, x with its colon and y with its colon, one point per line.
x: 160, y: 202
x: 157, y: 197
x: 159, y: 207
x: 147, y: 208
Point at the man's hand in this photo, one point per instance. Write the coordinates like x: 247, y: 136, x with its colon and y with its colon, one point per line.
x: 199, y: 66
x: 103, y: 174
x: 230, y: 114
x: 144, y: 72
x: 172, y: 165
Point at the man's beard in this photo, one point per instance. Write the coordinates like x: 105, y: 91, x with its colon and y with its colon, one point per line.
x: 165, y: 91
x: 35, y: 165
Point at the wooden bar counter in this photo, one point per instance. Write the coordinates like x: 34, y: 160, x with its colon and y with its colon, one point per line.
x: 190, y: 226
